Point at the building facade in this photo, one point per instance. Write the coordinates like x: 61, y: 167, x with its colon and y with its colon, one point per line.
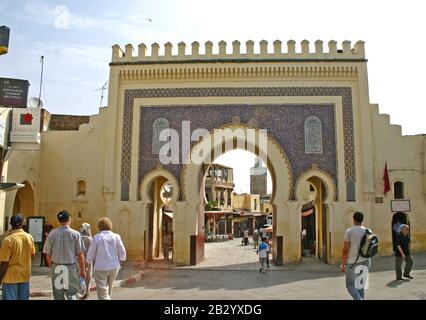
x: 323, y: 136
x: 258, y: 181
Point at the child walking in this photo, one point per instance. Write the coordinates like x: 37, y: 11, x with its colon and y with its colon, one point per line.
x: 263, y: 254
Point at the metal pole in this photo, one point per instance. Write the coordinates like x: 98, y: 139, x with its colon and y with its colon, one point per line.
x: 41, y: 80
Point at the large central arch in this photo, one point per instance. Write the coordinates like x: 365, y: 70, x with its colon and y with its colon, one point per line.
x: 281, y: 173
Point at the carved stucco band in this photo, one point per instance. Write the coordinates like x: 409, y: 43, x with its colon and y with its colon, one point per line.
x: 131, y: 94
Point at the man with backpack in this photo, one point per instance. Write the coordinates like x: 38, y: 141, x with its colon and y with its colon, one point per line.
x: 360, y: 244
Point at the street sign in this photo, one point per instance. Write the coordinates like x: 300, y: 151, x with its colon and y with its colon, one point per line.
x: 4, y: 39
x: 13, y: 93
x: 400, y: 206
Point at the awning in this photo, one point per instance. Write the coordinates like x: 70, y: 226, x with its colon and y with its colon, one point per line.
x: 267, y: 229
x: 219, y: 212
x: 307, y: 213
x: 169, y: 214
x: 9, y: 186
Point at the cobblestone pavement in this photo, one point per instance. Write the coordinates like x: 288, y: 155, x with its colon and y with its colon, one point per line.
x: 309, y: 280
x: 230, y: 271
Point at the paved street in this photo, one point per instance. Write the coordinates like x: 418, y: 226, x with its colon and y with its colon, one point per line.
x: 230, y: 271
x: 233, y: 275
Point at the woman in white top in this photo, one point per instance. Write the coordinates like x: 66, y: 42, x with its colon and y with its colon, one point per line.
x: 105, y: 253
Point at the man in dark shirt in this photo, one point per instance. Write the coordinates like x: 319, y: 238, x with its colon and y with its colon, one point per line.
x: 403, y: 253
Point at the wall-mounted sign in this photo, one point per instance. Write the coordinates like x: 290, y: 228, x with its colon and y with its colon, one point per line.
x: 400, y: 205
x: 26, y: 125
x: 13, y: 93
x: 36, y: 228
x: 378, y: 199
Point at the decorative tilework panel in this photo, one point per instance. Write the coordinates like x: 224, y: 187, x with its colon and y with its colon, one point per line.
x: 285, y: 123
x: 344, y: 92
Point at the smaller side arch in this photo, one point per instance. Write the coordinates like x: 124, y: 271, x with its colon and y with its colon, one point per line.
x: 149, y: 177
x: 324, y: 176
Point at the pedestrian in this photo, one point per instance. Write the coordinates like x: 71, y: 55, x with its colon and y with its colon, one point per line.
x: 106, y: 252
x: 47, y: 230
x: 256, y: 238
x: 403, y: 253
x: 246, y: 237
x: 86, y: 240
x: 166, y: 245
x: 17, y: 250
x: 268, y: 251
x: 262, y: 251
x: 63, y: 250
x: 352, y: 263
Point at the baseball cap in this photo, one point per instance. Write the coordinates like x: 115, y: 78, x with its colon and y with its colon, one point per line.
x: 16, y: 220
x: 63, y: 216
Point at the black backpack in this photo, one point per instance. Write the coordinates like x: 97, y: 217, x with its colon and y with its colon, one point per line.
x: 369, y: 246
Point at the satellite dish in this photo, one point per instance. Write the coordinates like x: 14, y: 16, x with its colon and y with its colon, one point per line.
x: 35, y: 103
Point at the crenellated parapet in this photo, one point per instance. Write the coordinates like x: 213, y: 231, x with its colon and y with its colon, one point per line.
x: 235, y: 52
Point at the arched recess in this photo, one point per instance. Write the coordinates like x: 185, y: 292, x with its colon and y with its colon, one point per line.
x: 325, y: 193
x: 205, y: 152
x: 152, y: 209
x: 325, y: 177
x: 24, y: 200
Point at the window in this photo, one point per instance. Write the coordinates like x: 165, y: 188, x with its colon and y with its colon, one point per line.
x: 313, y: 135
x: 81, y: 188
x: 398, y: 190
x: 255, y: 204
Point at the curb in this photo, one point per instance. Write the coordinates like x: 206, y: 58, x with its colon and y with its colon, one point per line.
x: 117, y: 283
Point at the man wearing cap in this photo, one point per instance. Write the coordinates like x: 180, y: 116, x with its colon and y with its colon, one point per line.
x: 63, y: 250
x: 16, y: 252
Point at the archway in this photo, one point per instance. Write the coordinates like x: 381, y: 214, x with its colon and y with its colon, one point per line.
x: 24, y: 200
x: 159, y: 194
x: 315, y: 189
x: 238, y: 136
x: 237, y: 198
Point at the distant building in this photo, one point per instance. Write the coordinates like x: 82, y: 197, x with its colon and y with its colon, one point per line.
x: 219, y: 184
x: 258, y: 178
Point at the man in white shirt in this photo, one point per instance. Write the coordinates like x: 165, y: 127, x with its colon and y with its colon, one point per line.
x: 352, y: 262
x: 105, y: 253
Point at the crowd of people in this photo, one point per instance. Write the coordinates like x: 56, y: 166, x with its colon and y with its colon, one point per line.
x: 75, y: 256
x: 72, y: 256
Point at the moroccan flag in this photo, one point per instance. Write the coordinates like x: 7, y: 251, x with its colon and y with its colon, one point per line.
x: 386, y: 179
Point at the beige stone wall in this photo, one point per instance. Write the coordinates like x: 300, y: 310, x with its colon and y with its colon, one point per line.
x: 93, y: 153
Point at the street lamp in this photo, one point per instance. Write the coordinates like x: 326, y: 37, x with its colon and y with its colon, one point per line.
x: 4, y: 39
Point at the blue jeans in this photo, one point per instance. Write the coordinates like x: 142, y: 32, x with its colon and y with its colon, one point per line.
x: 355, y: 279
x: 16, y: 291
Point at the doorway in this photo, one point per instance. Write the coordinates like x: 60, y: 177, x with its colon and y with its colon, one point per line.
x: 160, y: 221
x: 398, y: 219
x: 315, y: 236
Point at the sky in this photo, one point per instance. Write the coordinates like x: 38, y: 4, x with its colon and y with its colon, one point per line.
x: 75, y: 37
x: 242, y: 170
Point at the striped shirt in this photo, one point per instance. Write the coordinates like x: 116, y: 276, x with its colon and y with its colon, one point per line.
x: 64, y: 244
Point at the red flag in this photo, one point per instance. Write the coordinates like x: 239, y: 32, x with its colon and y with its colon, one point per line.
x: 386, y: 179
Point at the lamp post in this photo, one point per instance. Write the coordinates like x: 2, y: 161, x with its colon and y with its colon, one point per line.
x: 4, y: 39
